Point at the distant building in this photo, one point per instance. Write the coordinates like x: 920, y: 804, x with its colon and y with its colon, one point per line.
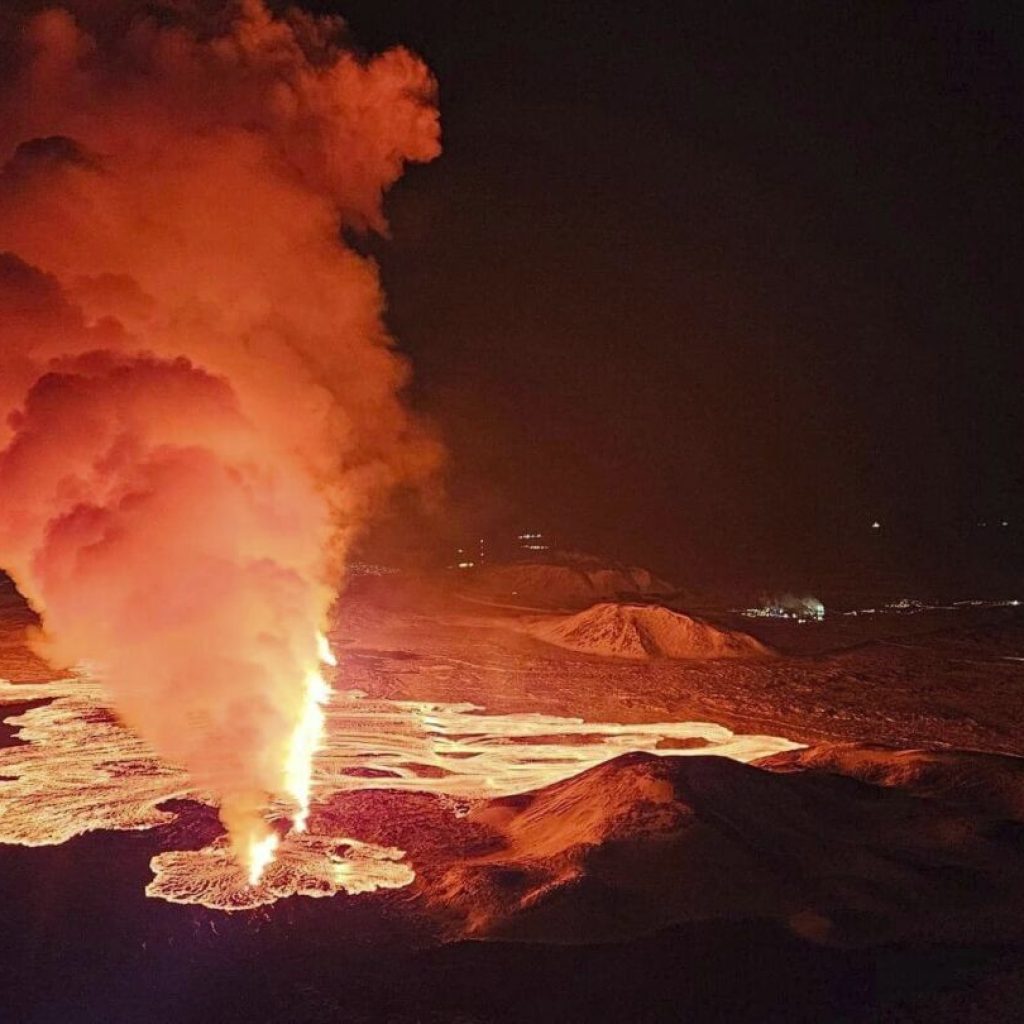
x: 799, y: 609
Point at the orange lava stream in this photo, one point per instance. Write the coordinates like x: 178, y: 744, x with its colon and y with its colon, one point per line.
x: 78, y: 770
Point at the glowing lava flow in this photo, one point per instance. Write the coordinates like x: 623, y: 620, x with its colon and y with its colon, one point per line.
x: 78, y: 770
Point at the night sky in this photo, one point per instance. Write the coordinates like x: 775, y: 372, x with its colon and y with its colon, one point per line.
x: 714, y: 285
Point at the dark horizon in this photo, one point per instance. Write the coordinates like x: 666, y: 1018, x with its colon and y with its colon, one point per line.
x: 702, y: 288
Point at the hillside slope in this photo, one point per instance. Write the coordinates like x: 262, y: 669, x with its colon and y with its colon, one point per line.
x: 642, y: 842
x: 644, y: 631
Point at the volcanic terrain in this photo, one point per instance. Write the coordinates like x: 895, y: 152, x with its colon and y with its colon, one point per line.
x: 806, y: 814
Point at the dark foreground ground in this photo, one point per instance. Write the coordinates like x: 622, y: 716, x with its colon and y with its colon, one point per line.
x: 81, y: 944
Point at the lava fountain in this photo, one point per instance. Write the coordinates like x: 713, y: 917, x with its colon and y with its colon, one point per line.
x: 200, y: 403
x: 308, y: 735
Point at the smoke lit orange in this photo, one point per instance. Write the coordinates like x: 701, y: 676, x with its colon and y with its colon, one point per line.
x: 199, y: 404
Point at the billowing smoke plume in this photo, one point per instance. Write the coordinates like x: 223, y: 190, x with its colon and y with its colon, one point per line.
x: 199, y: 404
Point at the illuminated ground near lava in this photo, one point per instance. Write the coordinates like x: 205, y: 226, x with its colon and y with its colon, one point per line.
x: 78, y: 770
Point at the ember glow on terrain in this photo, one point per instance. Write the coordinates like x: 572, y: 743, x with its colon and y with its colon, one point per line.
x: 77, y: 770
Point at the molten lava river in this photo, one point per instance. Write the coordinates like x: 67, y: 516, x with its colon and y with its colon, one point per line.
x: 78, y: 770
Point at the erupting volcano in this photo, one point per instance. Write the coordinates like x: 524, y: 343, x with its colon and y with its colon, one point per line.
x: 200, y: 403
x: 332, y: 694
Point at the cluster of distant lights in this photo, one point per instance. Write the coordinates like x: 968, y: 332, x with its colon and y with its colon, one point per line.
x: 905, y: 606
x: 876, y: 525
x: 527, y: 542
x: 463, y: 561
x: 532, y: 542
x: 370, y: 569
x: 908, y: 606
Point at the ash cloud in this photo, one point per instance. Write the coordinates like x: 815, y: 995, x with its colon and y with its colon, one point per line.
x: 200, y: 405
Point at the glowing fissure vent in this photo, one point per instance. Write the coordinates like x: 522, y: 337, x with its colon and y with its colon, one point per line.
x: 308, y: 736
